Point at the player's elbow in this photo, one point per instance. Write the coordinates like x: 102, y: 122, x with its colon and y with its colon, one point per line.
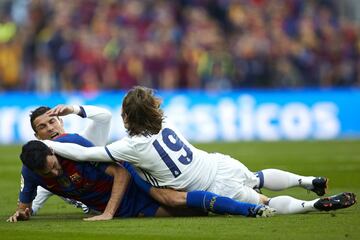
x: 107, y: 115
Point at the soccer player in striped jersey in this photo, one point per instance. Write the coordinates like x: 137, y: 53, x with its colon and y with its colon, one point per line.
x: 47, y: 124
x: 165, y: 158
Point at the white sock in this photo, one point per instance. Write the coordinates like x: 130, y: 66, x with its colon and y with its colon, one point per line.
x: 290, y: 205
x: 275, y: 179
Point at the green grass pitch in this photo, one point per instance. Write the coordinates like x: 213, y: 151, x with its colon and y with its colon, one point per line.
x: 338, y: 160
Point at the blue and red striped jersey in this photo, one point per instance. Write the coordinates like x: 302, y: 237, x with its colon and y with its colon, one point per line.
x: 87, y: 182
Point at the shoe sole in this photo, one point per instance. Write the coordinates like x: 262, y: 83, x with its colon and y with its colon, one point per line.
x: 350, y: 200
x: 326, y: 189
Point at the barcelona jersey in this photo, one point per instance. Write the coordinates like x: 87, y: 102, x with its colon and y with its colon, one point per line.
x: 88, y: 183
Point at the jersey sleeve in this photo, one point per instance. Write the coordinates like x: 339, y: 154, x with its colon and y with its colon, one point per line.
x: 97, y: 131
x: 42, y: 195
x: 79, y: 153
x: 122, y: 150
x: 28, y: 187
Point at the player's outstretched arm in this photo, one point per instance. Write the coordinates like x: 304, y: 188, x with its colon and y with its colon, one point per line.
x: 22, y: 213
x: 79, y: 153
x: 120, y: 184
x: 97, y: 131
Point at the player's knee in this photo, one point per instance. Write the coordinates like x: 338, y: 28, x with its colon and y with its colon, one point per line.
x: 263, y: 199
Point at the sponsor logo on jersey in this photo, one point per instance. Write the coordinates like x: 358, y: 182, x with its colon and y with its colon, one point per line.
x: 64, y: 182
x: 75, y: 178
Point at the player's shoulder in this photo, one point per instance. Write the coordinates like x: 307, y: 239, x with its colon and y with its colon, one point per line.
x: 169, y: 128
x: 167, y: 124
x: 74, y: 138
x: 25, y: 170
x: 27, y: 174
x: 141, y: 139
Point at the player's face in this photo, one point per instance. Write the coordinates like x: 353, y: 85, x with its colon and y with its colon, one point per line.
x: 52, y: 167
x: 48, y: 127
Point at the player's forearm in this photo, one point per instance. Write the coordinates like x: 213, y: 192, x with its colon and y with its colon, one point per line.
x: 121, y: 181
x: 98, y: 129
x: 79, y: 153
x: 97, y: 114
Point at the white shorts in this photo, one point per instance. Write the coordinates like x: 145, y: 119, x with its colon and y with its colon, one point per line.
x: 234, y: 180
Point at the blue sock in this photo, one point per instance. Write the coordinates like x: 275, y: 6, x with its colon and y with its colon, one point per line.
x: 218, y: 204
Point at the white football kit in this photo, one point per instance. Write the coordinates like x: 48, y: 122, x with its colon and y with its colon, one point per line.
x: 167, y: 159
x: 97, y: 132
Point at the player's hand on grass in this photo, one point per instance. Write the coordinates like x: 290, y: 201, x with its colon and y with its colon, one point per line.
x: 20, y: 215
x: 61, y: 110
x: 102, y: 217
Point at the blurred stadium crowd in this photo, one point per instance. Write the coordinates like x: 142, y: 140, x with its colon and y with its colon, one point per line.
x: 92, y: 45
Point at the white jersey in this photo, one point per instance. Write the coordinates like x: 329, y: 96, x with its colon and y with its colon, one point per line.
x: 166, y: 159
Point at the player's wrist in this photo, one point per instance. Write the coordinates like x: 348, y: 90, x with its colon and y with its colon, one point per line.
x: 108, y: 215
x: 76, y: 109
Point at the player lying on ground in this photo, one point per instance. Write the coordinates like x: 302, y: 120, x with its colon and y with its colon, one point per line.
x: 164, y: 158
x: 108, y: 188
x: 47, y: 124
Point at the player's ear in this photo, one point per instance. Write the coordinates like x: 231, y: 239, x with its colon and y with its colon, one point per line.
x: 37, y: 136
x: 61, y: 122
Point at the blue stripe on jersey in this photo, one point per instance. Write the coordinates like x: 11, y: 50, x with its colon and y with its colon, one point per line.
x: 111, y: 156
x: 88, y: 184
x: 82, y: 112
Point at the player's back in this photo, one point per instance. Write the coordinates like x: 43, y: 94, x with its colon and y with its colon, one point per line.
x: 168, y: 159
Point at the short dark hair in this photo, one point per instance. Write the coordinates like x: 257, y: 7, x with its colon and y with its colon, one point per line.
x: 34, y: 153
x: 141, y: 112
x: 37, y: 112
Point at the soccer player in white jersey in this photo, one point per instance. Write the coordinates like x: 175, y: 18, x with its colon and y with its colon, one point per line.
x: 47, y: 124
x: 165, y: 158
